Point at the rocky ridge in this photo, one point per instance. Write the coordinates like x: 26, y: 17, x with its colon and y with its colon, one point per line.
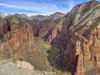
x: 79, y: 32
x: 16, y: 36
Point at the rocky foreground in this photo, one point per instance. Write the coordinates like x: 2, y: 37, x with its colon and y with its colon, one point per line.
x: 7, y: 67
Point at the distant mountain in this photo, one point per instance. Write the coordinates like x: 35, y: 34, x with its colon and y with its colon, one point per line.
x: 38, y: 18
x: 43, y: 24
x: 50, y: 17
x: 55, y: 16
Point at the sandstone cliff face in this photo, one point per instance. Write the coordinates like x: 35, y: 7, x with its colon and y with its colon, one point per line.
x: 82, y: 55
x: 83, y: 39
x: 43, y: 25
x: 46, y: 28
x: 79, y: 32
x: 18, y: 40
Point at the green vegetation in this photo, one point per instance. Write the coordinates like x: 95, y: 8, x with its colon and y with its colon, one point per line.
x: 99, y: 70
x: 1, y: 36
x: 54, y: 53
x: 6, y: 39
x: 10, y: 37
x: 46, y: 56
x: 54, y: 50
x: 14, y: 60
x: 38, y: 57
x: 3, y: 41
x: 79, y: 5
x: 93, y: 71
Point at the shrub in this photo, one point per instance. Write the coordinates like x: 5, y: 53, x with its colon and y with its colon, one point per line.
x: 3, y: 40
x: 38, y: 58
x: 47, y: 68
x: 78, y: 5
x: 1, y: 36
x: 14, y: 60
x: 99, y: 70
x: 9, y: 37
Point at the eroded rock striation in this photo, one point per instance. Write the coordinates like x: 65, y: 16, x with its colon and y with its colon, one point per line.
x: 16, y: 36
x: 79, y: 31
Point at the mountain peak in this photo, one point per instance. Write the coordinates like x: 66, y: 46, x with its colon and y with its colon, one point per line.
x: 58, y: 13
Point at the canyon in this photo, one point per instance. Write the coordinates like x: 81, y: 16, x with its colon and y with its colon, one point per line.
x: 66, y: 42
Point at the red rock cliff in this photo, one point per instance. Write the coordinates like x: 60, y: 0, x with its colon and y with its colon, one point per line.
x: 79, y: 31
x: 18, y: 40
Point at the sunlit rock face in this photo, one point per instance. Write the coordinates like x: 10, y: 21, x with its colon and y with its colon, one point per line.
x: 79, y: 31
x: 16, y: 36
x: 7, y: 67
x: 2, y: 15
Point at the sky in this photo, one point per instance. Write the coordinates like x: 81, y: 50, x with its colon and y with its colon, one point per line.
x: 36, y: 7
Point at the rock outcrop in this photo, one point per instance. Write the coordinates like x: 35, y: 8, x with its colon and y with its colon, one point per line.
x: 79, y: 32
x: 16, y: 36
x: 7, y: 67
